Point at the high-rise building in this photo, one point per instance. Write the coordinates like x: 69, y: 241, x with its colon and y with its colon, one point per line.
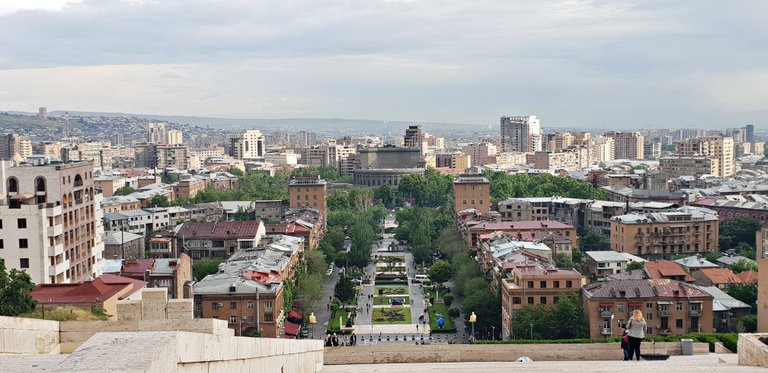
x: 414, y: 138
x: 172, y: 156
x: 173, y: 137
x: 52, y: 221
x: 749, y: 130
x: 605, y: 149
x: 42, y: 113
x: 15, y: 147
x: 652, y: 149
x: 248, y: 144
x: 481, y: 154
x: 627, y: 145
x: 520, y: 134
x: 720, y: 149
x: 472, y: 191
x: 157, y: 133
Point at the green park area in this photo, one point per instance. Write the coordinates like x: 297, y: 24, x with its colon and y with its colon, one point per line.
x: 392, y: 315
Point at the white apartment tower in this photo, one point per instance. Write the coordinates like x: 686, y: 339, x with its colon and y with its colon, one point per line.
x: 520, y: 134
x: 247, y: 144
x: 51, y: 221
x: 627, y: 145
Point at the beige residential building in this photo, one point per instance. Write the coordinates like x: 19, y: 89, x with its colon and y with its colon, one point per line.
x: 663, y: 235
x: 627, y: 145
x: 172, y: 156
x: 511, y: 158
x: 51, y: 221
x: 308, y: 191
x: 330, y: 154
x: 15, y: 147
x: 566, y: 159
x: 559, y: 141
x: 605, y: 149
x: 481, y: 153
x: 455, y: 161
x: 719, y: 149
x: 248, y: 144
x: 677, y: 166
x: 174, y: 137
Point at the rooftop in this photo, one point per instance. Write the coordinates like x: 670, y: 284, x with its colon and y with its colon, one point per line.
x: 721, y: 276
x: 629, y: 289
x: 220, y: 230
x: 661, y: 269
x: 608, y: 256
x: 96, y: 291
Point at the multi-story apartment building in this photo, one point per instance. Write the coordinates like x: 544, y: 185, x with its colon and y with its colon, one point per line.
x: 248, y: 144
x: 172, y: 156
x: 472, y: 192
x: 219, y: 239
x: 669, y: 307
x: 480, y: 153
x: 627, y: 145
x: 687, y: 230
x: 571, y: 158
x: 530, y: 285
x: 454, y: 161
x: 520, y: 134
x: 174, y: 274
x: 677, y: 166
x: 308, y: 191
x: 414, y: 138
x: 605, y: 149
x: 719, y: 149
x: 52, y: 217
x: 15, y: 147
x: 752, y: 206
x: 652, y: 149
x: 474, y: 226
x: 157, y: 133
x: 559, y: 141
x: 174, y: 137
x: 330, y: 154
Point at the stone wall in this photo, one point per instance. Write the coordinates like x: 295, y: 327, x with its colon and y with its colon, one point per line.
x: 75, y: 333
x: 155, y: 305
x: 752, y: 351
x: 383, y: 354
x: 192, y: 352
x: 28, y: 336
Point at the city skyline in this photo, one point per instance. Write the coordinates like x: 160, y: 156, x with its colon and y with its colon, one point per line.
x: 626, y: 64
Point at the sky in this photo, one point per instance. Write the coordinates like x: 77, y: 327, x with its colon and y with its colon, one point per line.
x: 574, y: 63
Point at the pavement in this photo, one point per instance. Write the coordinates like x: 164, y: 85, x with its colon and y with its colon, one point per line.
x: 714, y: 363
x: 322, y: 312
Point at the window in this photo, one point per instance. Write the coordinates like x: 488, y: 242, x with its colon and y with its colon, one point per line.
x: 530, y: 284
x: 22, y: 223
x: 215, y: 305
x: 267, y: 317
x: 1, y: 223
x: 250, y: 305
x: 24, y: 263
x: 530, y: 300
x: 556, y: 284
x: 679, y: 307
x: 233, y: 319
x: 543, y: 284
x: 233, y: 305
x: 679, y: 323
x: 649, y: 316
x: 569, y: 284
x: 198, y: 306
x: 543, y: 300
x: 268, y: 306
x: 649, y: 305
x: 23, y: 243
x: 649, y: 330
x: 621, y: 307
x: 555, y: 299
x: 517, y: 300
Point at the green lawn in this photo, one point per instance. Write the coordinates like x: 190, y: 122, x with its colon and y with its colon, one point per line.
x: 390, y: 290
x: 333, y: 323
x: 392, y: 315
x: 436, y: 309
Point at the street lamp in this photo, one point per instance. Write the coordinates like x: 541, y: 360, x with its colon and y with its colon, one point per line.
x: 473, y: 320
x: 531, y: 330
x: 493, y: 332
x: 312, y: 322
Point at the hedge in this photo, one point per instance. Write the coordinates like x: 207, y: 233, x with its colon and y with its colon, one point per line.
x: 729, y: 340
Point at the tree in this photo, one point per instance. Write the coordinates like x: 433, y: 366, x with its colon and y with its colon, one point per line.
x: 742, y: 229
x: 569, y: 318
x: 385, y: 194
x: 745, y: 250
x: 505, y: 186
x: 746, y: 293
x: 236, y: 171
x: 169, y: 177
x: 743, y: 265
x: 635, y: 265
x: 563, y: 320
x: 563, y: 260
x: 345, y: 290
x: 441, y: 271
x: 748, y: 324
x: 205, y: 267
x: 362, y: 236
x: 15, y: 287
x: 487, y: 306
x: 159, y: 201
x: 309, y: 290
x: 475, y: 285
x: 124, y: 191
x: 315, y: 261
x: 590, y: 241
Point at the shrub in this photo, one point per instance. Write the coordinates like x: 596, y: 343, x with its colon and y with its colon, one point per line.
x: 448, y: 299
x: 454, y: 312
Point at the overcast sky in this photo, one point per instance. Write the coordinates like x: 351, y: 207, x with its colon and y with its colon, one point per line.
x: 612, y: 64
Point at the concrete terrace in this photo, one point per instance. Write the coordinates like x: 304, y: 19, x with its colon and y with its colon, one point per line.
x: 720, y: 363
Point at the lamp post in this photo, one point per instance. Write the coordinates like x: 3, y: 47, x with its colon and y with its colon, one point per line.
x: 493, y: 332
x: 531, y: 330
x: 312, y: 322
x: 473, y: 320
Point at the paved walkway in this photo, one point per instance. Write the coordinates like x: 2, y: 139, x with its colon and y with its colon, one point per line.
x: 678, y: 364
x: 321, y: 310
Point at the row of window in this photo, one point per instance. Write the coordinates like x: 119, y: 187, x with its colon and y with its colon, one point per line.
x: 23, y: 243
x: 233, y: 306
x: 21, y: 223
x: 542, y: 300
x: 555, y: 284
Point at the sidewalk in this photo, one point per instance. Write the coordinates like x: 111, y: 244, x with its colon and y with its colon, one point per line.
x: 322, y: 313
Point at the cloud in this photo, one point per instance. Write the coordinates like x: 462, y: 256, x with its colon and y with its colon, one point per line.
x: 624, y: 62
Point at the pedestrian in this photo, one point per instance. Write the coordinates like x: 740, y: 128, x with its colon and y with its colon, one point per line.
x: 636, y: 332
x: 625, y: 344
x: 328, y: 306
x: 417, y: 328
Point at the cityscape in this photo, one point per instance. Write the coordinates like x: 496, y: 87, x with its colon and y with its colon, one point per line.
x: 141, y: 232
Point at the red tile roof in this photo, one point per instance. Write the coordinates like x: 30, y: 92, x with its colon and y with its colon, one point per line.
x: 721, y: 276
x: 96, y: 291
x: 137, y: 267
x: 222, y: 230
x: 748, y: 277
x: 110, y: 279
x: 661, y: 269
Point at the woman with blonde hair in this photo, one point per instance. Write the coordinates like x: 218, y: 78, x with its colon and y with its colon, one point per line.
x: 636, y: 327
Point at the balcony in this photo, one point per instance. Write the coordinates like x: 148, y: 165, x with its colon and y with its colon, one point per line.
x: 58, y: 268
x: 56, y: 249
x: 694, y: 312
x: 664, y: 313
x: 606, y: 331
x: 606, y: 314
x: 55, y: 230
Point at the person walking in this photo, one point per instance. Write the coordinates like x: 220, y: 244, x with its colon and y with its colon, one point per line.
x: 625, y: 344
x: 636, y: 331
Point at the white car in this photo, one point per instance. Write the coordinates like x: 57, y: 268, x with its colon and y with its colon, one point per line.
x: 330, y: 270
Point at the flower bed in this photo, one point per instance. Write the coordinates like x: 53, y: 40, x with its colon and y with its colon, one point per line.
x: 391, y: 315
